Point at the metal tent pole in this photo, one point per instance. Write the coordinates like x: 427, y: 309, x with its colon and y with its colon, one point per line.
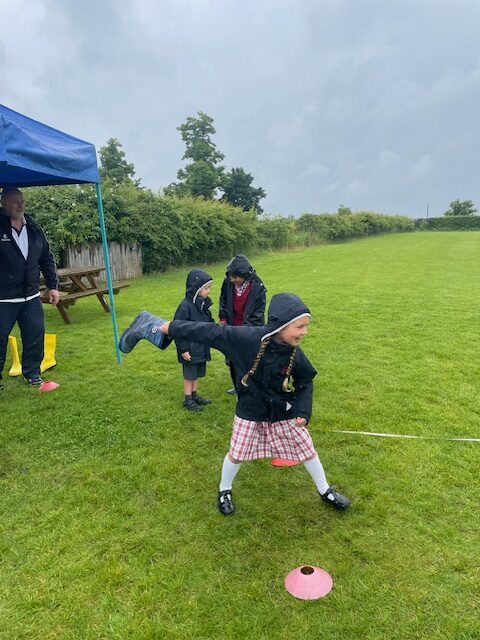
x: 107, y: 269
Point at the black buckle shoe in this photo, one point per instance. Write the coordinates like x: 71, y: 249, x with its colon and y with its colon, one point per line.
x: 225, y: 504
x: 192, y: 406
x: 335, y: 499
x: 202, y: 401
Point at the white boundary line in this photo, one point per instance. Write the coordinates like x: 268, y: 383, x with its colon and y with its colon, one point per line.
x: 398, y: 435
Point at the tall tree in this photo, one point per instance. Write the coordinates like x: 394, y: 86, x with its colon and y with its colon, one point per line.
x: 203, y: 174
x: 113, y: 164
x: 458, y: 208
x: 237, y: 190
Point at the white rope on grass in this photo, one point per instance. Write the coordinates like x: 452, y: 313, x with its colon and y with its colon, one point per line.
x: 399, y: 435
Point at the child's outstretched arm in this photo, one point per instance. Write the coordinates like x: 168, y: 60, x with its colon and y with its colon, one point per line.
x: 225, y: 338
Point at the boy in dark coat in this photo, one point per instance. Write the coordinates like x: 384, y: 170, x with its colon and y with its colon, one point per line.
x: 192, y: 355
x: 242, y: 299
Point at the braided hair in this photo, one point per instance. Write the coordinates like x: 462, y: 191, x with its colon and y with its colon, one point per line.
x: 289, y: 371
x: 258, y: 357
x: 256, y: 362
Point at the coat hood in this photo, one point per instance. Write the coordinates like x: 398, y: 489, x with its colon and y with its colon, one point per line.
x: 196, y: 279
x: 284, y: 309
x: 240, y: 266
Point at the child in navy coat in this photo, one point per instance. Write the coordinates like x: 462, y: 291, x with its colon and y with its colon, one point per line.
x: 271, y: 417
x: 193, y: 356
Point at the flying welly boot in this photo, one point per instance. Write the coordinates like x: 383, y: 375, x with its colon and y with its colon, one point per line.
x: 146, y: 326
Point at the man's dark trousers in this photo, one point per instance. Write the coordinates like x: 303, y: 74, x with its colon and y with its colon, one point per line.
x: 29, y: 316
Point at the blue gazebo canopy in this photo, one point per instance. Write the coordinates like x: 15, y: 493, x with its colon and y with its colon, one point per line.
x: 34, y: 154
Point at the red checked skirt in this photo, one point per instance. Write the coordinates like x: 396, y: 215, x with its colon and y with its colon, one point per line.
x: 283, y: 439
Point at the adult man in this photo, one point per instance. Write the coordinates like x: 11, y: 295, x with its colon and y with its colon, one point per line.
x: 24, y: 252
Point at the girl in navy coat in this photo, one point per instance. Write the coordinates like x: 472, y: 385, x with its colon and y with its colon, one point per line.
x: 242, y: 299
x: 270, y: 417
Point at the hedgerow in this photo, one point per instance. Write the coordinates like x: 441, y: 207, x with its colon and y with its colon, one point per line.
x: 180, y: 231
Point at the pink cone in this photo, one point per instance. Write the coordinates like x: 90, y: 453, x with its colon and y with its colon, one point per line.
x: 308, y: 583
x: 283, y: 462
x: 48, y: 385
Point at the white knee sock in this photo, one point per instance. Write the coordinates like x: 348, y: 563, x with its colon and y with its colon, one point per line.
x: 315, y: 469
x: 229, y: 471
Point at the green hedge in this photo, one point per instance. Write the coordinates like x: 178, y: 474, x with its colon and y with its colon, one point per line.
x: 356, y: 225
x: 182, y: 231
x: 448, y: 223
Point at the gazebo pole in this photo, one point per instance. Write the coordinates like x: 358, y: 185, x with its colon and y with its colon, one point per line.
x: 107, y: 269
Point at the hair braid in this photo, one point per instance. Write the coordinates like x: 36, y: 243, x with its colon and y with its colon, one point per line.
x: 258, y: 357
x: 289, y: 370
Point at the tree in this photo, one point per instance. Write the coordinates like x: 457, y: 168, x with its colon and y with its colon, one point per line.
x: 458, y: 208
x: 202, y: 176
x: 113, y: 164
x: 342, y: 210
x: 237, y: 190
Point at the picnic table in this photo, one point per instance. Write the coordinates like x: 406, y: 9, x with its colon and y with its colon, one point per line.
x: 79, y: 282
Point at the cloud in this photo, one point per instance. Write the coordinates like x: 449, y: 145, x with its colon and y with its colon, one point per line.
x: 355, y: 102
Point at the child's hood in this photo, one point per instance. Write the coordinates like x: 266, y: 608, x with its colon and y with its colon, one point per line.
x: 284, y: 309
x: 240, y: 266
x: 196, y: 279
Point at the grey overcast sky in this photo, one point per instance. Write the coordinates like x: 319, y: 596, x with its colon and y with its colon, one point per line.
x: 371, y: 103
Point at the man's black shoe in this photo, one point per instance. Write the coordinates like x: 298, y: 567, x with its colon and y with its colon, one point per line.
x: 225, y: 504
x: 35, y: 382
x: 2, y: 387
x: 335, y: 499
x: 191, y: 405
x: 232, y: 391
x: 199, y: 400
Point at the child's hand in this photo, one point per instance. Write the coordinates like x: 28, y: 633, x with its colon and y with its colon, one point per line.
x: 186, y: 356
x: 301, y: 422
x: 164, y: 328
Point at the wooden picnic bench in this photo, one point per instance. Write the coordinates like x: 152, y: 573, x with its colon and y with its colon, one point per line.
x: 80, y: 282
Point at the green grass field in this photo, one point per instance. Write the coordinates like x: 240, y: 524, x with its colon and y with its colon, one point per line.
x: 109, y: 526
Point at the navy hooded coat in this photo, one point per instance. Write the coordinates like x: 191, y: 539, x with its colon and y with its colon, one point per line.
x: 264, y: 398
x: 194, y: 309
x: 254, y: 313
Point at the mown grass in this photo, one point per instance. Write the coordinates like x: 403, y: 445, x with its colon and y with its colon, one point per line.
x: 109, y: 527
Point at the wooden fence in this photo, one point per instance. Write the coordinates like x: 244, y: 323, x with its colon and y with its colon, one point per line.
x: 125, y: 259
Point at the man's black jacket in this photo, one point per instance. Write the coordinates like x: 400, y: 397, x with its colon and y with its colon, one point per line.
x: 20, y: 278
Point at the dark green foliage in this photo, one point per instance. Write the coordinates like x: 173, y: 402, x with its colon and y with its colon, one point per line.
x: 461, y: 208
x: 113, y: 164
x: 237, y: 190
x: 181, y: 231
x: 202, y: 176
x: 449, y: 223
x: 68, y: 214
